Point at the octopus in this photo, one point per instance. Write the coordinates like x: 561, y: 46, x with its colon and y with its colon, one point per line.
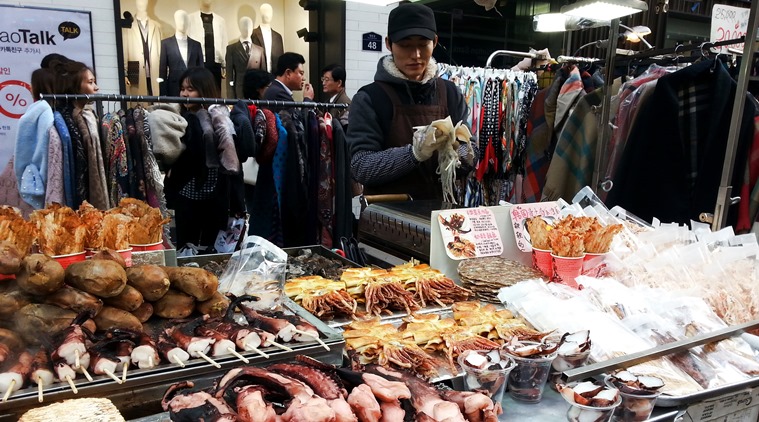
x: 462, y: 248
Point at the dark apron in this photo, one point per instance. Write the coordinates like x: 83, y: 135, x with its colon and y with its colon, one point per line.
x: 422, y: 182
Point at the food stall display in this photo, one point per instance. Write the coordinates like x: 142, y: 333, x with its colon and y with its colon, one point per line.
x: 429, y: 344
x: 405, y: 288
x: 311, y: 390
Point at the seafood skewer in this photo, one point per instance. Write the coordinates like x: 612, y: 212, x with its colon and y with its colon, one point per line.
x: 287, y: 327
x: 15, y: 377
x: 195, y: 346
x: 171, y: 352
x: 42, y: 373
x: 145, y: 355
x: 104, y: 362
x: 72, y: 348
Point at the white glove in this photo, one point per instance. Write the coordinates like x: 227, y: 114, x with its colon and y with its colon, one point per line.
x: 527, y: 62
x: 427, y: 140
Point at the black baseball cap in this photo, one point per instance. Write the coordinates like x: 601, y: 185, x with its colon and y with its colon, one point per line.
x: 411, y: 19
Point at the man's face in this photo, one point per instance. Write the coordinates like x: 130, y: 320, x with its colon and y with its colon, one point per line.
x: 412, y: 55
x: 330, y: 85
x: 294, y: 78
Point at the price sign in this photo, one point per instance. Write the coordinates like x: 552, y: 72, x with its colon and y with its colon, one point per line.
x: 728, y: 23
x: 470, y: 233
x: 371, y: 41
x: 519, y: 213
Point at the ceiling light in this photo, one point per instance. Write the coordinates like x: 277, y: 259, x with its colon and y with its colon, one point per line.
x: 636, y: 34
x: 604, y: 10
x: 549, y: 22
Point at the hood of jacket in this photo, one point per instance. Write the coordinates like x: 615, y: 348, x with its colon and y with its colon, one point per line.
x: 387, y: 71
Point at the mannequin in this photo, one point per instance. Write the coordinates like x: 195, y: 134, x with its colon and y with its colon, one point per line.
x: 177, y: 54
x: 142, y: 50
x: 210, y: 29
x: 241, y: 56
x: 269, y: 39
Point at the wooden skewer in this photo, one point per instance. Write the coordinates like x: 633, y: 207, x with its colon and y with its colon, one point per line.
x: 76, y: 360
x: 86, y: 374
x: 124, y: 372
x: 178, y: 362
x: 9, y: 390
x: 257, y: 351
x: 237, y: 355
x: 281, y: 346
x: 305, y: 333
x: 315, y: 337
x: 113, y: 376
x: 209, y: 360
x: 71, y: 383
x: 39, y: 389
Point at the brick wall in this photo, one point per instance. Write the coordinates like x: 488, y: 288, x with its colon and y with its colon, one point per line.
x: 360, y: 66
x: 103, y: 36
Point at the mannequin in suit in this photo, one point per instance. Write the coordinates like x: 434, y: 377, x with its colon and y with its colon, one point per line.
x: 210, y: 29
x: 142, y: 50
x: 177, y: 54
x: 241, y: 56
x: 269, y: 39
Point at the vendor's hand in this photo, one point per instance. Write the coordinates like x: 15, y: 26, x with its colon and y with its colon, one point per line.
x: 426, y: 142
x: 308, y: 91
x: 528, y: 63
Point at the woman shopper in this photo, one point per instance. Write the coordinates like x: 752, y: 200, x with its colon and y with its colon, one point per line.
x: 195, y: 185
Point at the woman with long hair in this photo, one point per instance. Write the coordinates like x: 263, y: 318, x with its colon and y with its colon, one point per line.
x: 195, y: 187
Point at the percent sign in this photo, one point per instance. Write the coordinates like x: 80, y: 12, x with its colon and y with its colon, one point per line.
x: 16, y: 94
x: 16, y: 100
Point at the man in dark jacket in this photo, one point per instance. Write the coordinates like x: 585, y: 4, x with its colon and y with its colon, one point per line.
x: 289, y: 78
x: 406, y: 93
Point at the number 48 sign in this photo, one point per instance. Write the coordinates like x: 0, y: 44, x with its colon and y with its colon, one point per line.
x: 371, y: 41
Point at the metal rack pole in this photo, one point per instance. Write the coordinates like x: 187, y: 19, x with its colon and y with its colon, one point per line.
x: 605, y: 129
x: 188, y: 100
x: 725, y: 188
x: 513, y: 54
x: 658, y: 351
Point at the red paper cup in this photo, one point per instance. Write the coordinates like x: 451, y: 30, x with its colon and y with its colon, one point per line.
x: 541, y: 260
x: 566, y: 269
x: 66, y: 260
x: 158, y: 246
x: 594, y: 265
x: 127, y: 255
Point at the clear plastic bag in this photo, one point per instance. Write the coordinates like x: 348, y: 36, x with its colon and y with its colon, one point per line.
x: 257, y: 269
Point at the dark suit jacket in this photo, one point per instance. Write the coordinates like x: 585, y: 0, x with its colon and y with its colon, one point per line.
x: 238, y: 62
x: 171, y: 66
x: 277, y: 92
x: 277, y: 47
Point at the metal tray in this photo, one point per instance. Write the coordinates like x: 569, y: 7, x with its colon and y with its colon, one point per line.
x: 141, y: 394
x: 631, y: 359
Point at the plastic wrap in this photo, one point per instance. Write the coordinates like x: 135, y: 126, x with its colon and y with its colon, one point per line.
x: 257, y: 269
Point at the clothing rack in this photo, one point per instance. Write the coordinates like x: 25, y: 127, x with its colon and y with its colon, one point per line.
x: 680, y: 48
x: 534, y: 56
x: 188, y: 100
x: 724, y: 200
